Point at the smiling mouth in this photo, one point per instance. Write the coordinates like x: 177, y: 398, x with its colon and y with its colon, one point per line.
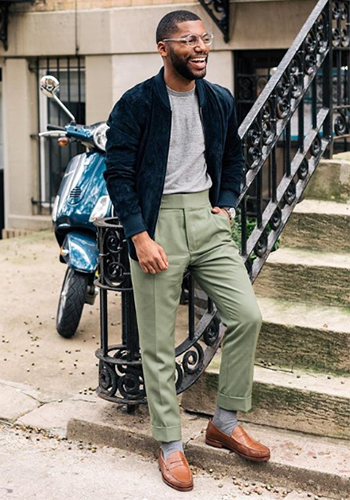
x: 198, y: 62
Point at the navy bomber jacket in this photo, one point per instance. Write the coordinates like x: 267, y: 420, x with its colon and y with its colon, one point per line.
x: 138, y: 144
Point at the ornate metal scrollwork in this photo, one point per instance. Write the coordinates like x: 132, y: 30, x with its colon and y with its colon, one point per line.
x: 108, y: 381
x: 261, y: 246
x: 340, y: 124
x: 296, y: 77
x: 193, y: 359
x: 131, y: 386
x: 211, y: 333
x: 336, y: 37
x: 120, y: 369
x: 276, y: 219
x: 336, y: 10
x: 120, y: 379
x: 179, y: 376
x: 303, y: 169
x: 301, y: 82
x: 219, y: 11
x: 290, y: 194
x: 316, y: 146
x: 341, y: 44
x: 283, y: 107
x: 245, y: 91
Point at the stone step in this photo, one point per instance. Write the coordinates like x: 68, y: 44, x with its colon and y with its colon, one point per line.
x: 300, y: 335
x: 297, y: 335
x: 319, y: 225
x: 306, y: 276
x: 298, y: 401
x: 331, y: 181
x: 316, y: 464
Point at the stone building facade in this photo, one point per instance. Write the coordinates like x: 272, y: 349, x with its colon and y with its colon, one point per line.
x: 108, y: 45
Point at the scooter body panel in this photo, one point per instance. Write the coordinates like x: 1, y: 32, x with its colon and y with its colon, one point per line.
x: 82, y: 186
x: 81, y: 252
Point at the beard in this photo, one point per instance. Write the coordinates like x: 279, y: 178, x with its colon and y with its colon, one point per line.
x: 181, y: 65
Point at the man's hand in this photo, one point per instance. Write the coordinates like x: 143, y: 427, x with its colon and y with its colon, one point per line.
x: 152, y: 257
x: 217, y: 210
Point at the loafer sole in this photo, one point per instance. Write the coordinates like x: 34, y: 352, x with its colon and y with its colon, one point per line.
x: 178, y: 488
x: 219, y: 444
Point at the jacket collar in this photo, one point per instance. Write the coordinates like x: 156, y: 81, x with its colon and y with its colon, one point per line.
x: 163, y: 94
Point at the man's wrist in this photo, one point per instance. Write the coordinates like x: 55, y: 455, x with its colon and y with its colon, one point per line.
x: 139, y: 236
x: 230, y: 211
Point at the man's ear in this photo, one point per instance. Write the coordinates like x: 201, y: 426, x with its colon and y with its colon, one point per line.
x: 162, y: 49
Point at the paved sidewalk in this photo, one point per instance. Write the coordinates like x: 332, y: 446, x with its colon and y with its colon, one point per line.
x: 47, y: 383
x: 34, y: 466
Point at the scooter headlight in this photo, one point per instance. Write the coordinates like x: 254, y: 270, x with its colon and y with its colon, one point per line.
x: 101, y: 209
x: 99, y: 136
x: 55, y: 208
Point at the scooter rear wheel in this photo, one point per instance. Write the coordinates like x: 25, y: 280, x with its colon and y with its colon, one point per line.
x: 71, y: 302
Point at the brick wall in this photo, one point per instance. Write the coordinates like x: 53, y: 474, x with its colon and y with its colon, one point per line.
x: 54, y: 5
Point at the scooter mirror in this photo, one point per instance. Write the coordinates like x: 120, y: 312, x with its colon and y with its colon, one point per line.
x: 49, y: 86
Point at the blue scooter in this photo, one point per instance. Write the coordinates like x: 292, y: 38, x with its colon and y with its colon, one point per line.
x: 81, y: 199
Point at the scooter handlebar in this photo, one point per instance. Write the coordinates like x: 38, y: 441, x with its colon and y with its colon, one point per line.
x: 53, y: 133
x: 54, y: 127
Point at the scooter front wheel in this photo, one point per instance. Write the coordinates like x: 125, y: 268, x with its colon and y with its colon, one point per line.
x: 71, y: 302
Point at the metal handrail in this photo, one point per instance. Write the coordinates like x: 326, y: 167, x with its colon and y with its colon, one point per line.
x: 267, y: 126
x: 287, y: 59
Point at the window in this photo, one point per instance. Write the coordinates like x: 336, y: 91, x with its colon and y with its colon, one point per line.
x: 53, y: 160
x: 253, y: 69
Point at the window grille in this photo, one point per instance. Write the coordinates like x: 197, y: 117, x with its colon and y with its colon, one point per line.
x: 53, y: 159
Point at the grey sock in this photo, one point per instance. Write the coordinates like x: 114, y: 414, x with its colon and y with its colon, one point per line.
x: 225, y: 420
x: 169, y: 448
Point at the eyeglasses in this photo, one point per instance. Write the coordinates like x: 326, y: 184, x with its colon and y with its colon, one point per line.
x: 193, y: 40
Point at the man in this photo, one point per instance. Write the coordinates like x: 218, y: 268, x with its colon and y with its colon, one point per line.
x: 174, y: 167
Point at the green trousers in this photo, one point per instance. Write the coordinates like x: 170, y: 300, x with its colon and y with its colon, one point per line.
x: 195, y: 238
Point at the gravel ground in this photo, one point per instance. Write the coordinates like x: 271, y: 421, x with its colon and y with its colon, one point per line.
x: 37, y: 466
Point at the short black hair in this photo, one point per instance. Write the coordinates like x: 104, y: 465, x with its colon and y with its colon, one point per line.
x: 168, y: 24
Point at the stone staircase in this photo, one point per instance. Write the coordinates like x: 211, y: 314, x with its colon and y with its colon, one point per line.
x: 302, y: 373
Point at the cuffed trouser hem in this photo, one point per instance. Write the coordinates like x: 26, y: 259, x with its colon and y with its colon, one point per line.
x: 234, y: 404
x: 166, y: 434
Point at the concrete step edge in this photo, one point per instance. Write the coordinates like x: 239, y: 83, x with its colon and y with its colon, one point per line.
x: 315, y: 463
x: 314, y: 316
x: 300, y: 380
x: 309, y: 258
x: 319, y: 226
x: 322, y: 207
x: 290, y: 465
x: 312, y: 403
x: 313, y: 277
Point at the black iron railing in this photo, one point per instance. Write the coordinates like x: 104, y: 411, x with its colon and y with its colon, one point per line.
x: 285, y: 134
x: 120, y: 370
x: 274, y: 190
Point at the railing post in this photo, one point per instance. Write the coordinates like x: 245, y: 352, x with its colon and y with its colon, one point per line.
x: 327, y: 85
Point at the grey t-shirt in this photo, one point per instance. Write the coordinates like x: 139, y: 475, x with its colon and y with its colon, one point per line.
x: 186, y: 168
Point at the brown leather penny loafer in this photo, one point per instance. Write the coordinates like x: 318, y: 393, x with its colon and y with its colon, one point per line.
x: 239, y: 442
x: 175, y: 470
